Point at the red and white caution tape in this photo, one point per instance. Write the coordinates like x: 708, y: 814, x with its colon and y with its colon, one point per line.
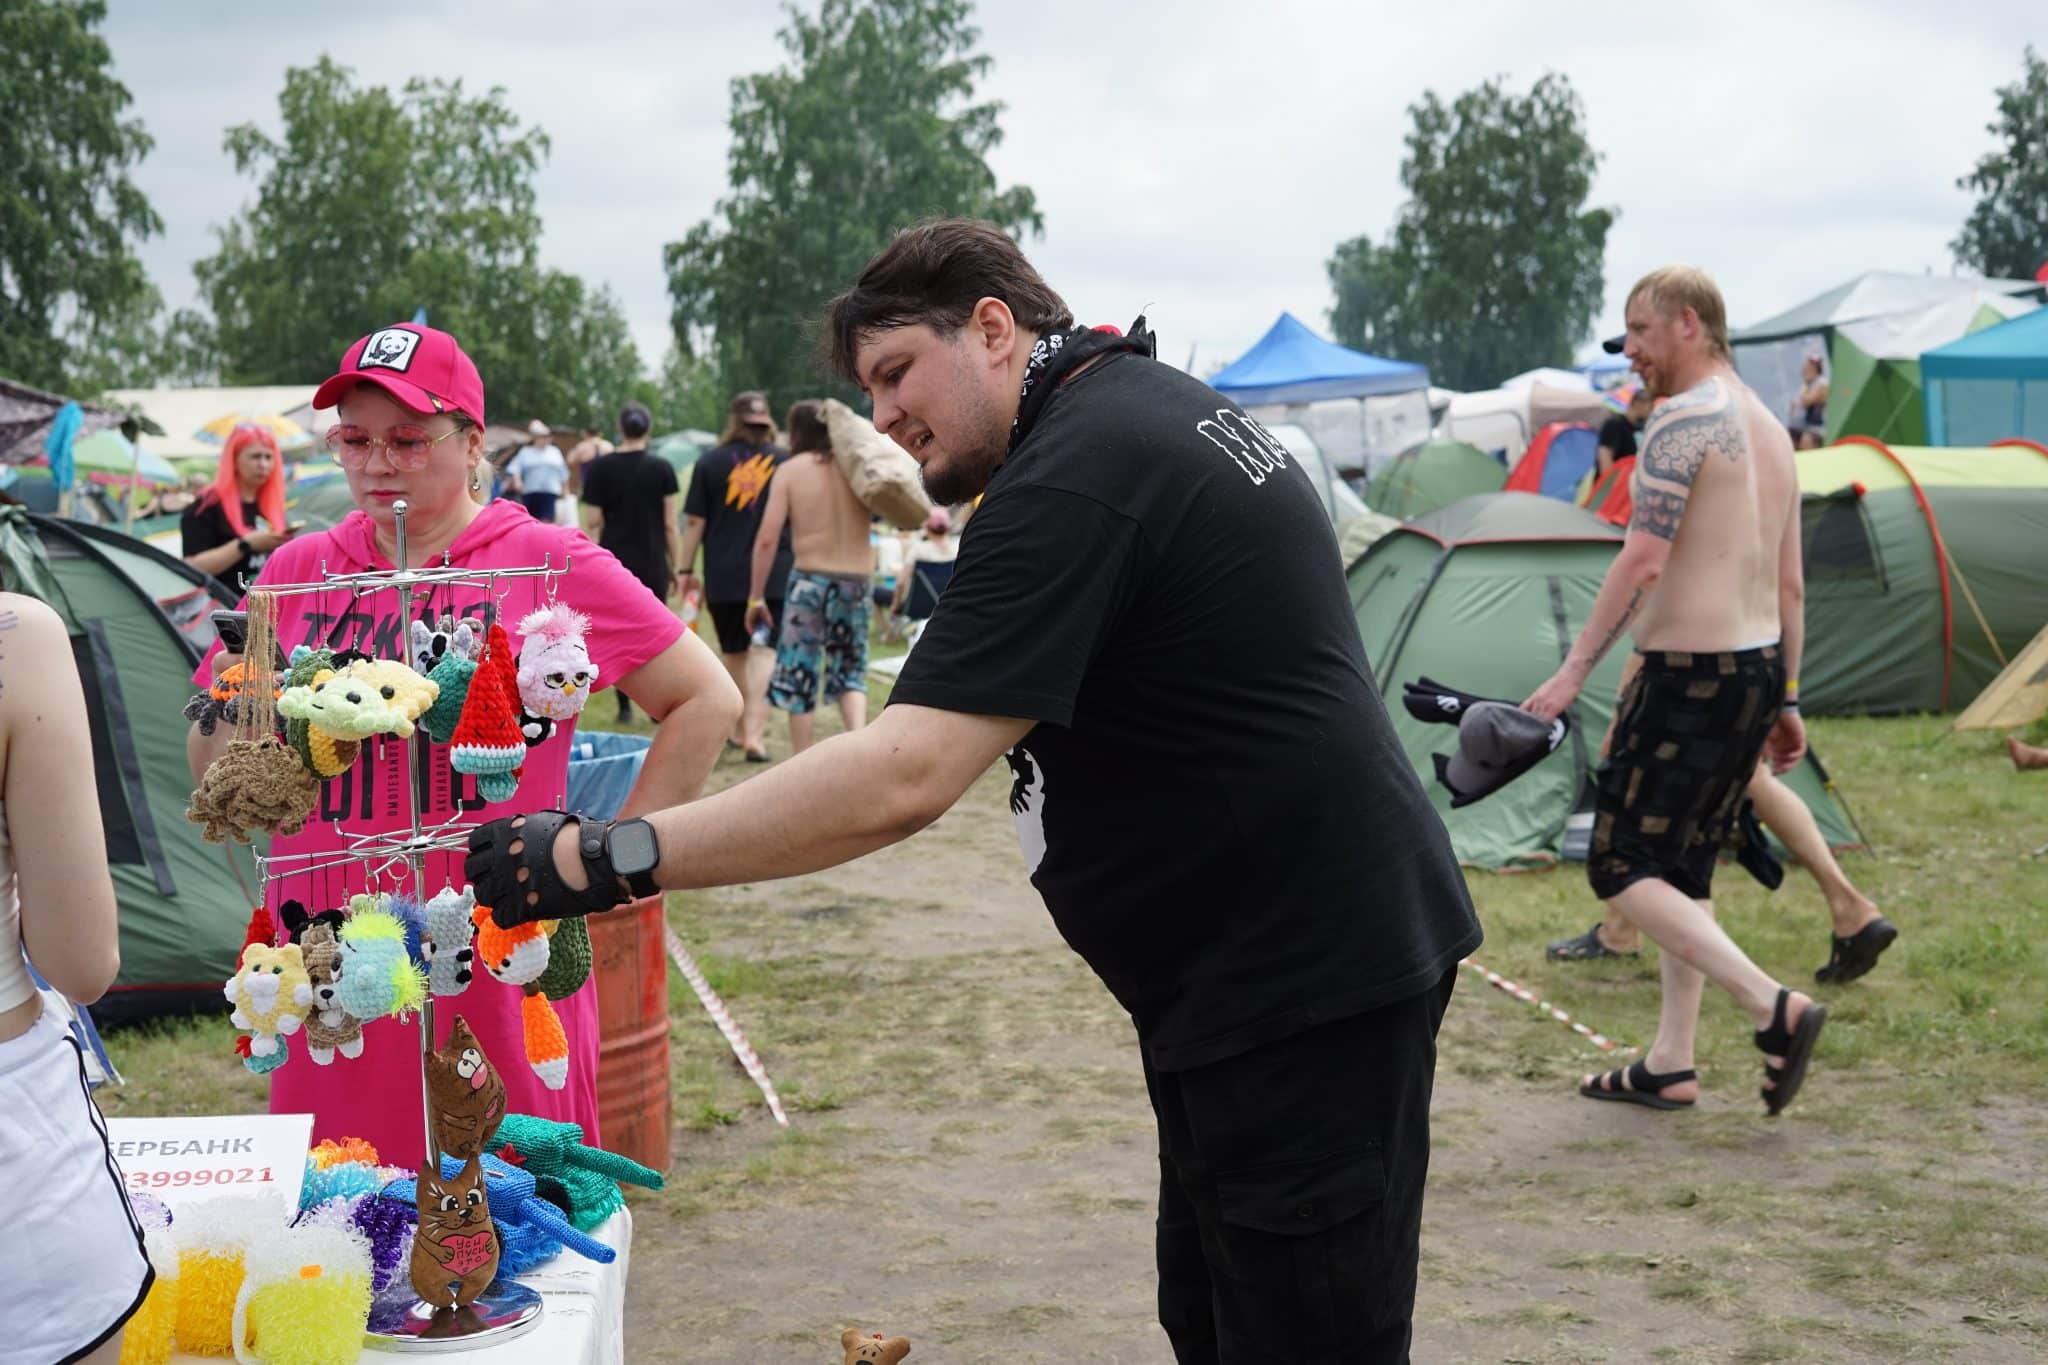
x: 1523, y: 993
x: 715, y: 1007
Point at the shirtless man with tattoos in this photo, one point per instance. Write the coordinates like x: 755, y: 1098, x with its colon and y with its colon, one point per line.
x: 1710, y: 585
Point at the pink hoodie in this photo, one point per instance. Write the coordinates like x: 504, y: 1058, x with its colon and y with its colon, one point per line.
x: 377, y: 1096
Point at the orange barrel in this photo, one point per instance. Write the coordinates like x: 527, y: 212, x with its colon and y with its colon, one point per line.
x: 629, y: 958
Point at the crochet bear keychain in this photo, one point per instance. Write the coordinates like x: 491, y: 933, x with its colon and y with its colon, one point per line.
x: 258, y: 784
x: 555, y: 671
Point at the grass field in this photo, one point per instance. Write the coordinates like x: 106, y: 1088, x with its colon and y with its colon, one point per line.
x: 970, y: 1160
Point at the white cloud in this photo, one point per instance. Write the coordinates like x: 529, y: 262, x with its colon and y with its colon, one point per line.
x: 1201, y: 158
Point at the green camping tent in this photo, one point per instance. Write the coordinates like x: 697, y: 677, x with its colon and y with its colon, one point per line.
x: 1433, y: 475
x: 139, y: 621
x: 1874, y: 381
x: 1487, y: 595
x: 1926, y: 571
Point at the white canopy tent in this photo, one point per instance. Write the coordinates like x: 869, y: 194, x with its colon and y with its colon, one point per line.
x: 182, y: 412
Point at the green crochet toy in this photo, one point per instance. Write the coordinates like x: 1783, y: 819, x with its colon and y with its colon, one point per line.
x: 582, y: 1181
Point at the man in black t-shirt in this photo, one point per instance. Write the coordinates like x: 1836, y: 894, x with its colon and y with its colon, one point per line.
x: 629, y: 505
x: 1618, y: 433
x: 728, y: 493
x: 1232, y: 838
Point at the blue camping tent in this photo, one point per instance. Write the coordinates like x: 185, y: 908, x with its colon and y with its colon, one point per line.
x: 1291, y: 364
x: 1989, y: 386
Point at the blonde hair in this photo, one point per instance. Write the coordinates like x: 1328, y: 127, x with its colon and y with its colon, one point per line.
x: 1671, y: 289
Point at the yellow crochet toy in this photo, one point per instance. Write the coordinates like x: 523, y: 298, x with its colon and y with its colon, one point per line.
x: 214, y: 1239
x: 271, y: 993
x: 305, y: 1299
x: 369, y: 697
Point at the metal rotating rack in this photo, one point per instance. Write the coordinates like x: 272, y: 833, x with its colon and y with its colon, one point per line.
x: 507, y: 1309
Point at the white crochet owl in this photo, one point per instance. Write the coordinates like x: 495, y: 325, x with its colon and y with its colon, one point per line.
x: 555, y: 671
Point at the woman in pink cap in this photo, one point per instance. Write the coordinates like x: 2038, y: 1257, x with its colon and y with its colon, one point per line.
x: 410, y: 428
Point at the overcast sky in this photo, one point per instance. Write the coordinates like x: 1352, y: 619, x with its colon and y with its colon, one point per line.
x: 1198, y: 160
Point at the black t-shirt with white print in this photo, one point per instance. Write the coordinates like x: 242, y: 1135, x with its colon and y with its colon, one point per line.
x: 1213, y: 803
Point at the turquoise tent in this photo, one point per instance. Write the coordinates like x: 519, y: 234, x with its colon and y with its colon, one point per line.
x: 1990, y: 386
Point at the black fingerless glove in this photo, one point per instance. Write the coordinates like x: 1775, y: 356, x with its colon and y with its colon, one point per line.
x: 511, y: 864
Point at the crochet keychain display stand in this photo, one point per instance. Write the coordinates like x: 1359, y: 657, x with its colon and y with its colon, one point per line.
x: 507, y: 1308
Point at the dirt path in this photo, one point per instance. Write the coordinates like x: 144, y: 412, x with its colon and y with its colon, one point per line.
x: 972, y: 1166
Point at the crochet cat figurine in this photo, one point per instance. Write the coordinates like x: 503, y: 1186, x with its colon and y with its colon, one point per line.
x: 455, y: 1250
x: 271, y: 994
x: 871, y: 1349
x: 466, y: 1093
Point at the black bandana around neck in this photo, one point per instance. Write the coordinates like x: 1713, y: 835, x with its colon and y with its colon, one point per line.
x: 1054, y: 356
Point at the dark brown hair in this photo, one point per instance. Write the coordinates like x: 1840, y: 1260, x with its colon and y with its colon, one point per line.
x: 807, y: 430
x: 934, y: 272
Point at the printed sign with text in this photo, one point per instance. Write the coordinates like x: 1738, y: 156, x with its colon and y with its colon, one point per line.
x: 184, y: 1160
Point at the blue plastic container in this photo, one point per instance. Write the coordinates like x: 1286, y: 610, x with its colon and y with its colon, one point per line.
x: 602, y: 768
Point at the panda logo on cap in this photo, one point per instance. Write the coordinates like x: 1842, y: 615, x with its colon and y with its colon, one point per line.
x: 390, y: 349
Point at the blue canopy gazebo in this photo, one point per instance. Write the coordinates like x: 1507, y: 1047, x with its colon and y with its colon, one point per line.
x: 1291, y: 364
x: 1989, y: 386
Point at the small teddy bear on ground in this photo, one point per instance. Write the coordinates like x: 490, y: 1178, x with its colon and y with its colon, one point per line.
x: 871, y: 1349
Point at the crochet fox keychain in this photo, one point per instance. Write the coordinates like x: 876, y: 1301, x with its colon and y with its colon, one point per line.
x: 519, y: 957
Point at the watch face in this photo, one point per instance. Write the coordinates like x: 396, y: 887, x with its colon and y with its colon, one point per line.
x: 633, y: 848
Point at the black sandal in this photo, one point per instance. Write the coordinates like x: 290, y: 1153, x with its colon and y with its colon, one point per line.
x: 1642, y: 1085
x: 1855, y: 955
x: 1585, y: 948
x: 1794, y: 1045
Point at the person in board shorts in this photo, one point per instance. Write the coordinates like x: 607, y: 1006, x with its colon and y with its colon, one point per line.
x: 1710, y: 583
x: 825, y: 611
x: 1234, y: 841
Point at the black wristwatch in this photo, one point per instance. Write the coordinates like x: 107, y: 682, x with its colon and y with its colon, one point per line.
x: 242, y: 544
x: 629, y: 847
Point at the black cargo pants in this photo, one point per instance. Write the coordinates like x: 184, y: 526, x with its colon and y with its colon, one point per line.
x: 1290, y: 1196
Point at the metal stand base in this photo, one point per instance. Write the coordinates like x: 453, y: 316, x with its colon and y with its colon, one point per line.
x: 507, y: 1309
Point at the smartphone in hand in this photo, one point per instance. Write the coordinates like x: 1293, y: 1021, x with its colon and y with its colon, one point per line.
x: 233, y: 629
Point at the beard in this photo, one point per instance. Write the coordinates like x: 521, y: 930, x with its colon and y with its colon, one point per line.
x: 965, y: 476
x: 985, y: 441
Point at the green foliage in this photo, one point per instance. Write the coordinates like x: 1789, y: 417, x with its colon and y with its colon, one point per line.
x: 2006, y: 233
x: 869, y: 128
x: 374, y: 205
x: 68, y: 211
x: 1495, y: 263
x: 686, y: 395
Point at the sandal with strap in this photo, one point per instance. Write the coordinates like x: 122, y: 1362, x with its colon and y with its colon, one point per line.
x: 1585, y: 948
x: 1637, y: 1084
x: 1795, y: 1045
x: 1853, y: 956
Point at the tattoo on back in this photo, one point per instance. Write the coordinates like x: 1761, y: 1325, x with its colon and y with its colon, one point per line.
x: 1678, y: 445
x: 1657, y: 512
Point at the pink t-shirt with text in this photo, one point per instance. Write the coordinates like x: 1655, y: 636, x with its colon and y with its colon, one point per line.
x: 377, y: 1095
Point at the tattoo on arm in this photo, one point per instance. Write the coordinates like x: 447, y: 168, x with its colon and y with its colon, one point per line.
x: 1680, y: 439
x: 1657, y: 512
x: 1617, y: 630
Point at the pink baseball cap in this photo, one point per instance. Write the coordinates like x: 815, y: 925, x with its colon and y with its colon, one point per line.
x: 422, y: 368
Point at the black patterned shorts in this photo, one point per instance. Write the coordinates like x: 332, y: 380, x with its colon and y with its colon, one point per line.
x: 1687, y: 735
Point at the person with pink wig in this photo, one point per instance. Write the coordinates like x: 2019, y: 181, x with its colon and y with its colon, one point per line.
x: 220, y: 530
